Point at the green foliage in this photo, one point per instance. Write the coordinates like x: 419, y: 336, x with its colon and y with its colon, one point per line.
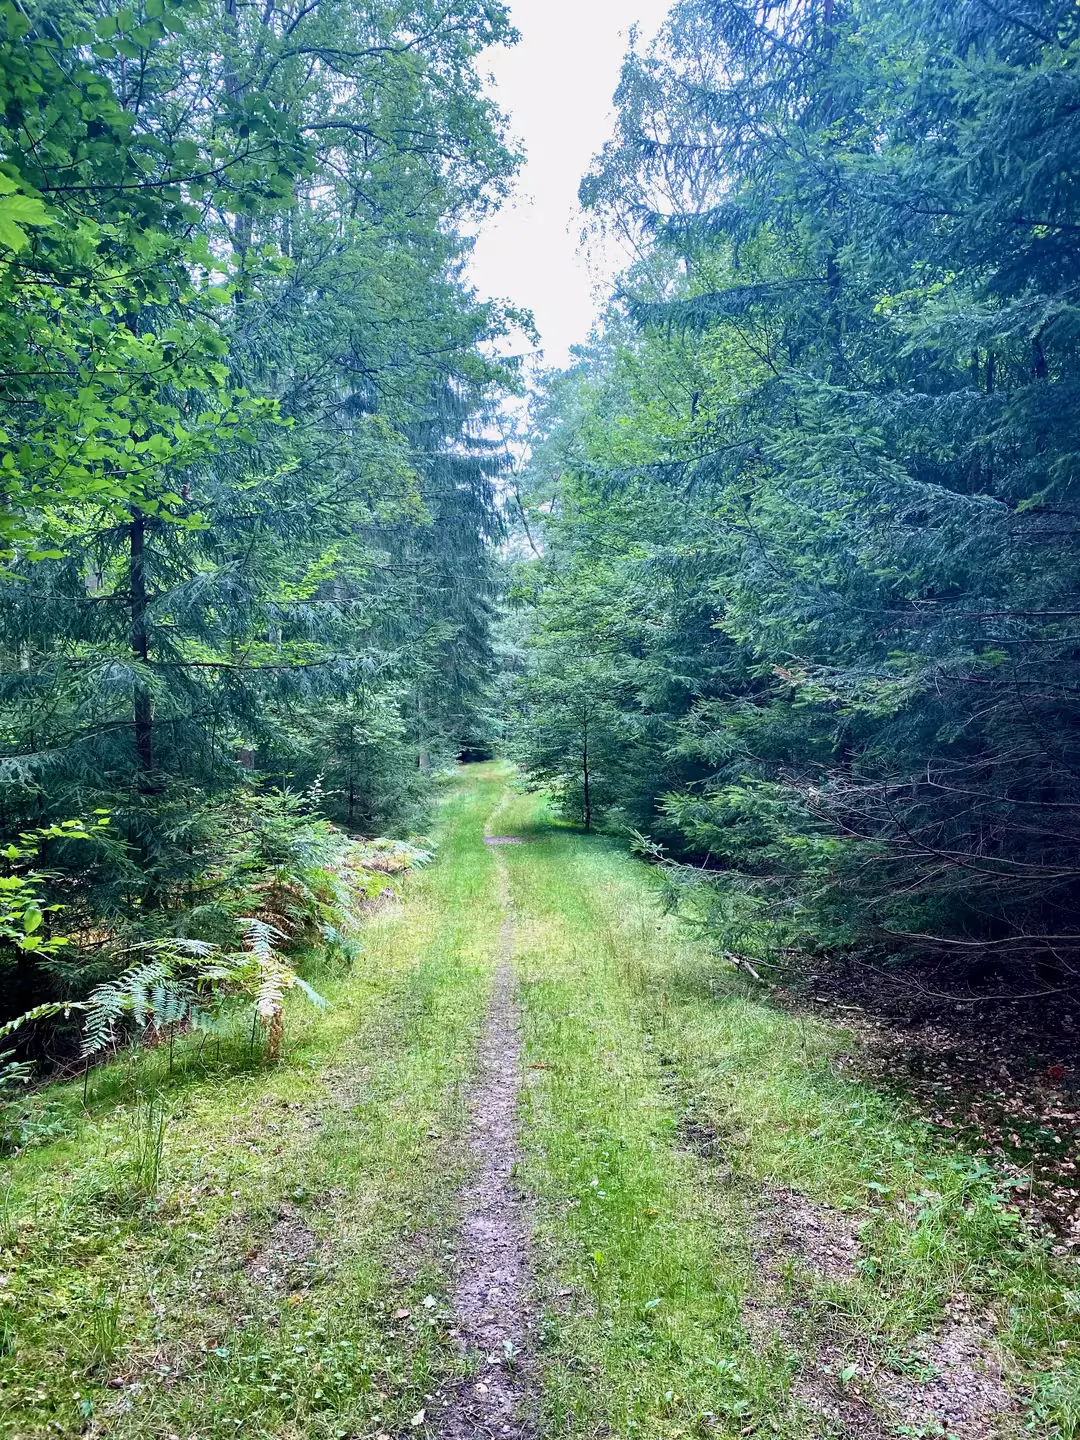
x: 810, y: 498
x: 112, y: 353
x: 246, y: 508
x: 571, y: 738
x: 23, y: 913
x: 183, y: 983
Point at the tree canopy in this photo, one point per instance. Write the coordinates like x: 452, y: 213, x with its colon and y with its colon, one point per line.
x: 247, y: 498
x: 810, y: 496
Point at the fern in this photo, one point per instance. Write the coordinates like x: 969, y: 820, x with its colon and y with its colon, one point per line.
x: 261, y: 936
x: 190, y: 984
x: 181, y: 983
x: 47, y: 1011
x: 13, y: 1073
x: 319, y: 1001
x: 272, y: 977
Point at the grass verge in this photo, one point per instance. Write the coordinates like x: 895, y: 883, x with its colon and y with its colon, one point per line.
x: 233, y: 1249
x: 668, y: 1111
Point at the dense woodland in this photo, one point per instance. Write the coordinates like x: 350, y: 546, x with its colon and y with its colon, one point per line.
x: 776, y: 588
x: 804, y: 516
x: 791, y: 600
x: 248, y: 507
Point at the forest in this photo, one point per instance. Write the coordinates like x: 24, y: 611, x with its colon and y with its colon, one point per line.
x: 803, y: 597
x: 539, y: 900
x: 248, y: 507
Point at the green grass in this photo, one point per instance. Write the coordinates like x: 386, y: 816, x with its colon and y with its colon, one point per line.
x: 226, y: 1249
x: 645, y: 1247
x: 130, y: 1299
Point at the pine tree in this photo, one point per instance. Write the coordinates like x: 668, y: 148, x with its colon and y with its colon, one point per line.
x: 863, y: 247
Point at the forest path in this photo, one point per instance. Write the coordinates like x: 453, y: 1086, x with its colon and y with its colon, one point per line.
x: 545, y: 1167
x: 493, y: 1319
x: 714, y: 1245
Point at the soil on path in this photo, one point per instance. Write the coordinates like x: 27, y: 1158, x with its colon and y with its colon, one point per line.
x: 492, y: 1317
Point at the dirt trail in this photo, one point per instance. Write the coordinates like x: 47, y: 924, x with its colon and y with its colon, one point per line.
x: 955, y: 1386
x: 492, y: 1318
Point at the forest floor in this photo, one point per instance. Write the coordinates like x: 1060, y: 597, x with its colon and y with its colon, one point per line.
x: 541, y: 1169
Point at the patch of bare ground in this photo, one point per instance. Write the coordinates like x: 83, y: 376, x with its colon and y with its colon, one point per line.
x: 492, y: 1313
x: 958, y: 1388
x: 844, y: 1406
x: 1001, y: 1076
x: 822, y: 1240
x: 701, y: 1138
x: 283, y: 1260
x: 949, y: 1383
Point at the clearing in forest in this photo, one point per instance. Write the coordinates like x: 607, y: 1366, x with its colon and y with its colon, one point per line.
x: 541, y: 1169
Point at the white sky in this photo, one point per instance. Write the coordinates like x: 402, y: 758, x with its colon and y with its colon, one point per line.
x: 556, y: 85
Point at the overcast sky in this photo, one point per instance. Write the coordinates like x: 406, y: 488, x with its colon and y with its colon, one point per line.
x: 556, y: 85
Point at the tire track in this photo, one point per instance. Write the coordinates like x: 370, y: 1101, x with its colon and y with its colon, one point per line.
x: 493, y: 1317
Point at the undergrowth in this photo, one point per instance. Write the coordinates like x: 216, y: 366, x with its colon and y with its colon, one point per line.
x: 294, y: 885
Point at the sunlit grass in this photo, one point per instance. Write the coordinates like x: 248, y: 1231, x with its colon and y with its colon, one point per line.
x: 645, y: 1248
x: 135, y: 1305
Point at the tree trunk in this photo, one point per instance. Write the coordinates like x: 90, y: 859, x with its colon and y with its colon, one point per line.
x: 423, y: 760
x: 585, y: 775
x: 140, y: 646
x: 1039, y: 367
